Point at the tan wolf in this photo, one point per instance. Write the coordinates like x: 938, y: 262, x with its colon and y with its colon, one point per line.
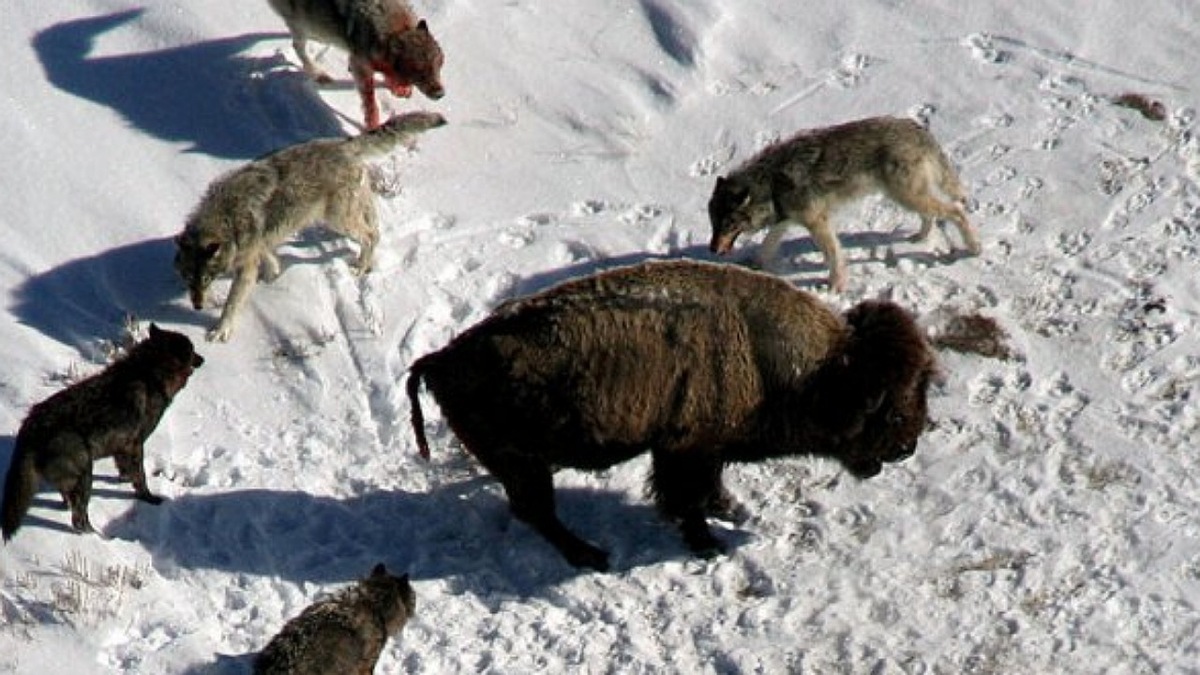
x: 248, y: 212
x: 110, y: 414
x: 382, y: 36
x: 805, y: 177
x: 343, y: 634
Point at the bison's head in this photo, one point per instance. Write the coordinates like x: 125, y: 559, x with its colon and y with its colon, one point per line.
x: 889, y: 430
x: 871, y: 397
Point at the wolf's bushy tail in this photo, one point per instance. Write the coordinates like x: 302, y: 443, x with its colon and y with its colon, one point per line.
x: 19, y: 488
x: 393, y: 132
x: 415, y: 372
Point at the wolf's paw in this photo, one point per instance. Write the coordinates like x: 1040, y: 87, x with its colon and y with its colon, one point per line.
x: 219, y: 334
x: 320, y: 76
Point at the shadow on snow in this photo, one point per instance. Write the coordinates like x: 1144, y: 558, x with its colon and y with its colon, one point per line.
x: 462, y: 532
x: 208, y: 95
x: 85, y: 301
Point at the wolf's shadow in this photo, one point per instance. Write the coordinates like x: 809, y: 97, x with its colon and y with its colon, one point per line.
x: 207, y: 95
x: 85, y: 301
x: 808, y: 274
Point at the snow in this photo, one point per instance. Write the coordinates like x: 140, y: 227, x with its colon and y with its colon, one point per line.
x: 1048, y: 522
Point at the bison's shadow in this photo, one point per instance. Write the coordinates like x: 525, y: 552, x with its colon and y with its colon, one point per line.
x: 85, y: 301
x: 207, y: 95
x: 461, y: 532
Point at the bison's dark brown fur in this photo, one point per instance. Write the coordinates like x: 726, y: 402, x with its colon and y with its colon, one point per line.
x: 700, y: 364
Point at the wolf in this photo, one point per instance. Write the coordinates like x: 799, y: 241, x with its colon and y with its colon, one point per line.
x: 342, y: 634
x: 382, y: 36
x: 245, y: 214
x: 110, y: 414
x: 805, y: 177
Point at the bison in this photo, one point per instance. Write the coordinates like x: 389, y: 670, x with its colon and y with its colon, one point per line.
x: 699, y: 363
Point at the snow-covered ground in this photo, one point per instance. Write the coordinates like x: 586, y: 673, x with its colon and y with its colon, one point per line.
x: 1050, y: 521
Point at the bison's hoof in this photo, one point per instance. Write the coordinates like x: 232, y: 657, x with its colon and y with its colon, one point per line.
x: 701, y: 541
x: 725, y: 507
x: 588, y: 556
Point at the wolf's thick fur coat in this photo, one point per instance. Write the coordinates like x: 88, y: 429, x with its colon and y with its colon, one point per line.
x: 110, y: 414
x: 383, y: 36
x: 343, y: 634
x: 804, y: 178
x: 248, y: 212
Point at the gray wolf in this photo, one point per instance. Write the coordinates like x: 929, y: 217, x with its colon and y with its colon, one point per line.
x: 248, y: 212
x: 110, y: 414
x: 803, y: 178
x: 343, y: 634
x: 701, y: 364
x: 381, y: 36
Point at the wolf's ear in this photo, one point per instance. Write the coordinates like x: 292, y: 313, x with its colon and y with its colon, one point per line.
x: 721, y: 182
x: 212, y: 249
x: 422, y: 26
x: 379, y: 571
x: 155, y: 331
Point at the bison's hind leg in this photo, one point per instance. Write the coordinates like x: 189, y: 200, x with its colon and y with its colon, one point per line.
x: 529, y: 485
x: 687, y: 488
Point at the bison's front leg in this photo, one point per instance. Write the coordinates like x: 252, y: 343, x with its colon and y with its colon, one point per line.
x: 530, y: 489
x: 686, y: 485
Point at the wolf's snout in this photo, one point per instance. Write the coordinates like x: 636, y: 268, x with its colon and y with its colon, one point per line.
x: 197, y: 298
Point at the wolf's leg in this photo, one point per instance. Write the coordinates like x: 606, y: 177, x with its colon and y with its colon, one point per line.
x: 364, y: 79
x: 66, y: 463
x: 270, y: 266
x: 930, y: 208
x: 243, y: 282
x: 299, y: 42
x: 77, y: 492
x: 352, y: 214
x: 826, y: 240
x: 768, y: 253
x: 685, y: 482
x: 132, y: 468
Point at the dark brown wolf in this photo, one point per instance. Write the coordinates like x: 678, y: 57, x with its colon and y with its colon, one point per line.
x: 382, y: 36
x: 107, y: 415
x: 343, y: 634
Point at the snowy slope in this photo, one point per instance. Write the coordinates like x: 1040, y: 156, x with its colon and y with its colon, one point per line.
x: 1047, y: 523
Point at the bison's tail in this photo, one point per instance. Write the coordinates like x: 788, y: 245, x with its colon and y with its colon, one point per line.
x: 418, y: 418
x: 19, y: 488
